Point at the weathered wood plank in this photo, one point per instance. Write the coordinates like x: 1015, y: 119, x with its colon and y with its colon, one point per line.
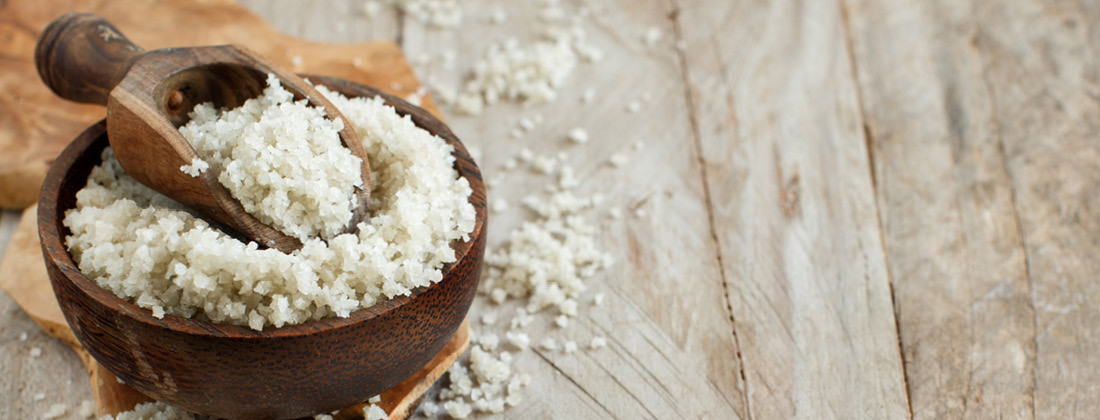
x: 327, y: 21
x: 955, y: 252
x: 1041, y: 64
x: 671, y: 352
x: 780, y: 133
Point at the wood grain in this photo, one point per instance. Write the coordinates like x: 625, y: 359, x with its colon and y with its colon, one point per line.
x: 35, y: 124
x: 956, y: 253
x: 779, y: 132
x: 1041, y: 69
x: 671, y: 353
x: 969, y: 125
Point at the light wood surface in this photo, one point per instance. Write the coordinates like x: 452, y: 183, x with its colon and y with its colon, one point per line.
x: 852, y: 209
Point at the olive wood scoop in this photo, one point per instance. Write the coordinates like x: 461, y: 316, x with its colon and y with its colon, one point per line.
x: 149, y: 94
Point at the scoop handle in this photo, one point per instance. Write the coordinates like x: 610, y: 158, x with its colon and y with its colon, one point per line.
x: 81, y: 57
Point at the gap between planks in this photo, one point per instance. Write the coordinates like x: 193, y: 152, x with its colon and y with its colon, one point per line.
x: 1013, y: 182
x: 869, y: 140
x: 696, y: 136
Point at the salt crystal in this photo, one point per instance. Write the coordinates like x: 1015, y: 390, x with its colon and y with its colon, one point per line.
x: 652, y: 36
x: 598, y: 342
x: 548, y: 344
x: 588, y: 95
x: 55, y: 411
x: 561, y: 321
x: 570, y: 347
x: 617, y: 160
x: 578, y: 135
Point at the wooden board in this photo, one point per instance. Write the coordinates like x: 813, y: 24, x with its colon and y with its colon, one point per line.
x: 671, y: 350
x: 1040, y: 66
x: 969, y: 125
x: 778, y: 130
x: 35, y: 124
x: 961, y: 289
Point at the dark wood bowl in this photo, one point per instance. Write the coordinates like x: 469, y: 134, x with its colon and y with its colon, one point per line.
x: 236, y: 372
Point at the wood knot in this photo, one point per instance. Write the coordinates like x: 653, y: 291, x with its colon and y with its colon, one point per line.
x: 175, y: 101
x: 788, y: 197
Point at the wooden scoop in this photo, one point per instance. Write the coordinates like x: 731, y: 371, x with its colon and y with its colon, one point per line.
x: 148, y: 95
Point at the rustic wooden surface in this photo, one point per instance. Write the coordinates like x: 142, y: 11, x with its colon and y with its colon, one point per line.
x: 853, y: 209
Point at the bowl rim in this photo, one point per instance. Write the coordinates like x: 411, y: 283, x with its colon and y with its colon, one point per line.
x: 50, y: 233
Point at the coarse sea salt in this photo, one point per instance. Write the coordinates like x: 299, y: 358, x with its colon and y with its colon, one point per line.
x: 281, y: 158
x: 147, y: 249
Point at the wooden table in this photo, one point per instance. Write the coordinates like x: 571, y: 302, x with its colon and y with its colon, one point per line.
x: 850, y: 209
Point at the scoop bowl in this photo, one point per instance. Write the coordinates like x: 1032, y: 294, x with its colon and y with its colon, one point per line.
x: 238, y: 373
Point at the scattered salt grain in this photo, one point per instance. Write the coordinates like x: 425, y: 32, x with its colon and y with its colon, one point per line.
x: 499, y: 16
x: 36, y: 351
x: 371, y: 8
x: 458, y: 408
x: 569, y: 347
x: 521, y: 320
x: 588, y: 95
x: 499, y: 205
x: 618, y: 160
x: 615, y: 213
x: 652, y: 36
x: 598, y: 342
x: 375, y: 399
x: 578, y: 135
x: 435, y: 13
x: 526, y: 123
x: 374, y: 412
x: 598, y: 299
x: 544, y: 165
x: 296, y: 61
x: 561, y: 321
x: 39, y: 396
x: 489, y: 342
x: 548, y: 344
x: 633, y: 107
x: 568, y: 307
x: 638, y: 145
x: 639, y: 212
x: 357, y: 62
x: 23, y: 336
x: 414, y: 98
x: 87, y: 409
x: 55, y: 411
x: 518, y: 340
x: 489, y: 318
x: 525, y: 155
x: 498, y: 295
x: 530, y: 73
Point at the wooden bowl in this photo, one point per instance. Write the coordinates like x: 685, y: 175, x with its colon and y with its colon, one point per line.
x: 233, y: 371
